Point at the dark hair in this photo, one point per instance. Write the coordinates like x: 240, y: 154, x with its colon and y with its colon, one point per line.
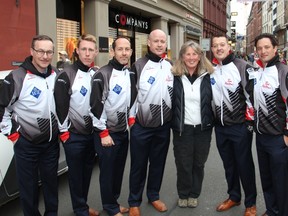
x: 114, y: 42
x: 272, y: 38
x: 40, y: 38
x: 219, y: 35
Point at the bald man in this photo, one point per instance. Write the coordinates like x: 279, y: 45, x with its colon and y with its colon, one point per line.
x: 150, y: 133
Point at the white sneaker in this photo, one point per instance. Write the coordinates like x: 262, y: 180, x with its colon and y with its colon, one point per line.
x: 192, y: 202
x: 182, y: 203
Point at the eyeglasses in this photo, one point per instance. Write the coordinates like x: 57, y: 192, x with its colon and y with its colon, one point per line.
x: 40, y: 52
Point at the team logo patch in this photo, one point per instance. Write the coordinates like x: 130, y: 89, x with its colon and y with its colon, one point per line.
x: 117, y: 89
x: 212, y: 81
x: 228, y: 82
x: 35, y: 92
x: 250, y: 70
x: 83, y: 91
x: 151, y: 80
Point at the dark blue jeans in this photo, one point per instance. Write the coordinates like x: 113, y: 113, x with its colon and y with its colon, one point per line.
x: 273, y: 164
x: 80, y: 157
x: 112, y: 162
x: 234, y: 146
x: 147, y: 145
x: 31, y: 160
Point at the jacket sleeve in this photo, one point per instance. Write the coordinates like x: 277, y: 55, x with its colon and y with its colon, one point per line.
x: 97, y: 101
x: 247, y: 81
x: 132, y: 112
x: 7, y: 98
x: 62, y: 94
x: 283, y: 73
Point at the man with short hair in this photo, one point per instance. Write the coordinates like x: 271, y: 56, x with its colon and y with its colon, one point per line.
x: 28, y: 119
x: 112, y: 96
x: 72, y: 96
x: 233, y: 130
x: 64, y: 60
x: 268, y: 90
x: 150, y: 135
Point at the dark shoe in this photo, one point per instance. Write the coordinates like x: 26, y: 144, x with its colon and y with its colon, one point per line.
x: 123, y: 210
x: 251, y: 211
x: 159, y: 206
x: 227, y: 204
x: 134, y: 211
x: 93, y: 212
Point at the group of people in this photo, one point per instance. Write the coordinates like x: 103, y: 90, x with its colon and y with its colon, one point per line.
x: 106, y: 110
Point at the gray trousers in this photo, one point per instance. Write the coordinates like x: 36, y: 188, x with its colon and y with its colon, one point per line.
x: 191, y: 149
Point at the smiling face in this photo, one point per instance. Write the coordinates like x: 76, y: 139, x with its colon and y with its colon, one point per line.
x: 265, y: 50
x: 157, y: 42
x: 220, y: 48
x: 42, y: 54
x: 191, y: 59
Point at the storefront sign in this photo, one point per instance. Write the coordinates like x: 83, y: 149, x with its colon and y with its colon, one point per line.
x: 192, y: 30
x: 191, y: 17
x: 125, y: 20
x: 205, y: 43
x: 128, y: 21
x: 103, y: 44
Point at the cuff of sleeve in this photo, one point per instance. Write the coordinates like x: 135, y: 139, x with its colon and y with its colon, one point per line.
x: 64, y: 136
x: 286, y: 132
x: 131, y: 121
x: 104, y: 133
x: 14, y: 136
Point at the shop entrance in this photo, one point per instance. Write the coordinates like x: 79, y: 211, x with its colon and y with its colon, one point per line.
x: 138, y: 41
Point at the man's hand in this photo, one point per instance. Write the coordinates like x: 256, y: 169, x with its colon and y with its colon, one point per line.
x: 286, y: 140
x: 107, y: 141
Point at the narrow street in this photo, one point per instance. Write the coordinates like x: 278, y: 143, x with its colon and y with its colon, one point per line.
x: 214, y: 192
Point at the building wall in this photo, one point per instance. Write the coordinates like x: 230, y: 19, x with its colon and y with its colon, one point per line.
x: 214, y: 21
x: 180, y: 19
x: 18, y: 25
x: 267, y: 23
x: 280, y: 27
x: 254, y: 26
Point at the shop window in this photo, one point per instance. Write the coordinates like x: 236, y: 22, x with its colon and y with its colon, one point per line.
x: 67, y: 34
x: 140, y: 45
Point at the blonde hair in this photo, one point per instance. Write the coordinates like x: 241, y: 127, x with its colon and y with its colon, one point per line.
x: 87, y: 37
x: 204, y: 64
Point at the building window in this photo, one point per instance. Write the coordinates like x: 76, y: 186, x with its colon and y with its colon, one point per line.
x: 67, y: 34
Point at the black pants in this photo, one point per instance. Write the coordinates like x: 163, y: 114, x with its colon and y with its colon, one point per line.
x: 147, y: 145
x: 273, y: 164
x: 80, y: 156
x: 191, y: 149
x: 32, y: 159
x: 112, y: 164
x: 234, y: 146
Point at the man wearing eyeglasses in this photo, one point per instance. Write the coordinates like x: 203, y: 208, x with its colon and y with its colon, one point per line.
x: 72, y: 97
x: 112, y: 96
x: 27, y: 118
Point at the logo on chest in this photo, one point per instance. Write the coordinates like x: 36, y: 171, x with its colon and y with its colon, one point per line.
x: 117, y: 89
x: 151, y: 80
x: 266, y: 85
x: 83, y: 91
x: 229, y: 82
x: 35, y: 92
